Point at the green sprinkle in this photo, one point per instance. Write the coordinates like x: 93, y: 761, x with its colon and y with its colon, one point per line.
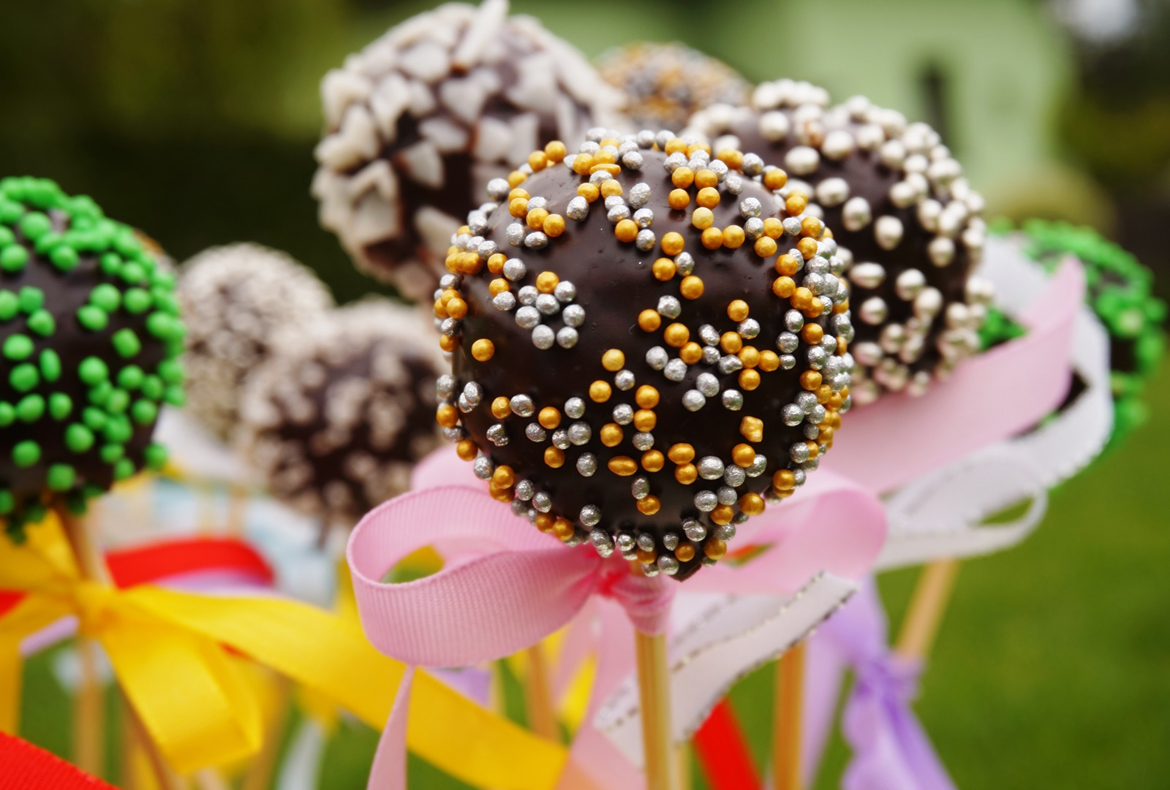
x: 13, y: 258
x: 42, y: 323
x: 106, y: 296
x: 171, y: 371
x: 175, y: 395
x: 112, y: 452
x: 64, y: 258
x: 152, y: 387
x: 6, y: 236
x: 118, y: 429
x: 94, y: 418
x: 50, y: 365
x: 124, y: 469
x: 47, y: 243
x: 9, y: 305
x: 100, y: 393
x: 60, y: 405
x: 166, y: 302
x: 7, y: 502
x: 111, y: 264
x: 117, y: 401
x: 130, y: 377
x: 133, y: 273
x: 137, y: 301
x: 35, y: 224
x: 9, y: 211
x: 7, y: 414
x: 30, y: 408
x: 31, y: 299
x: 93, y: 371
x: 78, y: 438
x: 24, y: 377
x: 60, y: 477
x: 159, y: 325
x: 18, y: 347
x: 35, y: 513
x: 26, y: 453
x: 126, y: 343
x: 93, y: 318
x: 144, y: 412
x: 155, y: 456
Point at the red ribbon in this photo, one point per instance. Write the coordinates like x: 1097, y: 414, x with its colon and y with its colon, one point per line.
x: 723, y: 753
x: 27, y: 767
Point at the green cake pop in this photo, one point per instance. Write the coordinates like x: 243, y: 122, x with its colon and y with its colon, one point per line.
x: 90, y: 334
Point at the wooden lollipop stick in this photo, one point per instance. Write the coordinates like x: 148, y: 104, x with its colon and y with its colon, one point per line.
x: 542, y: 717
x: 654, y: 692
x: 89, y: 705
x: 789, y: 716
x: 163, y: 777
x: 927, y: 606
x: 237, y: 514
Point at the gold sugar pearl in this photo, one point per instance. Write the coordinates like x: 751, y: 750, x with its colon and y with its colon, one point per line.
x: 457, y: 308
x: 676, y: 145
x: 813, y: 449
x: 582, y: 164
x: 448, y: 343
x: 504, y: 477
x: 483, y: 349
x: 516, y: 192
x: 518, y: 207
x: 776, y: 179
x: 706, y: 179
x: 645, y: 420
x: 691, y: 287
x: 693, y: 147
x: 545, y: 522
x: 765, y: 247
x: 495, y: 263
x: 600, y: 391
x: 535, y: 218
x: 784, y: 287
x: 731, y: 157
x: 784, y: 480
x: 722, y: 515
x: 612, y: 169
x: 466, y: 450
x: 685, y: 552
x: 811, y: 333
x: 815, y: 308
x: 626, y: 230
x: 649, y: 320
x: 795, y: 204
x: 549, y: 417
x: 610, y: 141
x: 802, y: 298
x: 738, y: 310
x: 708, y: 197
x: 498, y: 286
x: 663, y: 269
x: 546, y: 282
x: 646, y: 397
x: 589, y: 191
x: 554, y: 457
x: 676, y: 335
x: 649, y: 505
x: 611, y: 188
x: 807, y: 247
x: 686, y: 474
x: 841, y: 308
x: 769, y: 361
x: 447, y: 416
x: 682, y: 177
x: 613, y: 360
x: 773, y: 228
x: 440, y: 309
x: 554, y: 225
x: 563, y: 529
x: 752, y: 504
x: 646, y: 557
x: 733, y: 237
x: 555, y: 151
x: 712, y: 238
x: 811, y: 227
x: 623, y: 465
x: 501, y: 408
x: 672, y: 243
x: 653, y: 461
x: 605, y: 157
x: 810, y: 380
x: 538, y: 161
x: 681, y: 453
x: 730, y: 342
x: 752, y: 429
x: 749, y: 356
x: 702, y: 218
x: 743, y: 454
x: 691, y: 353
x: 679, y: 199
x: 516, y: 178
x: 749, y: 380
x: 466, y: 229
x: 611, y: 434
x: 824, y: 394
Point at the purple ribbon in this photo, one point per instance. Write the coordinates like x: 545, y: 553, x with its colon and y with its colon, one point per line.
x: 891, y: 751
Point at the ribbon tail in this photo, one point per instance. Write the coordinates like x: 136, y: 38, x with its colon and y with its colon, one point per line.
x: 389, y: 769
x: 891, y: 750
x: 825, y: 669
x: 919, y: 753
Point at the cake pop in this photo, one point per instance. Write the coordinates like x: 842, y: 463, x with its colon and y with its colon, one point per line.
x: 907, y: 222
x: 421, y: 119
x: 646, y: 344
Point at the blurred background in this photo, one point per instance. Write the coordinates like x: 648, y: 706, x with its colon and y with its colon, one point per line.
x: 195, y: 120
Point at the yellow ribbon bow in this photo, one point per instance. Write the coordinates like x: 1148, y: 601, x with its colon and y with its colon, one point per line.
x: 170, y: 654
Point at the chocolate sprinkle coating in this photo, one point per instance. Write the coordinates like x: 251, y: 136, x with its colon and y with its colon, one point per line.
x: 340, y: 413
x: 236, y: 299
x: 908, y: 223
x: 665, y: 84
x: 627, y: 377
x: 419, y: 121
x: 90, y: 333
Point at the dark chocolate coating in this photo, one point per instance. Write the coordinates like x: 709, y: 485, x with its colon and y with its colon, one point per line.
x: 614, y: 284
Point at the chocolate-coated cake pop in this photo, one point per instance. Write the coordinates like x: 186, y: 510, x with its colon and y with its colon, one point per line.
x: 665, y: 84
x: 235, y: 299
x: 906, y: 219
x: 645, y: 346
x: 419, y: 121
x: 90, y: 333
x: 342, y: 410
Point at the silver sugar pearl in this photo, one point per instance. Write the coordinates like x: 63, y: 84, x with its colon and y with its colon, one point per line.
x: 707, y: 384
x: 547, y: 304
x: 625, y: 542
x: 669, y: 306
x: 711, y: 355
x: 668, y: 565
x: 522, y: 406
x: 645, y: 240
x: 578, y: 208
x: 643, y: 218
x: 798, y: 452
x: 579, y: 433
x: 758, y: 467
x: 694, y: 530
x: 525, y: 489
x: 601, y: 542
x: 536, y: 240
x: 543, y: 337
x: 504, y: 301
x: 670, y: 541
x: 710, y: 467
x: 497, y: 435
x: 730, y: 364
x: 643, y: 441
x: 623, y: 414
x: 565, y: 291
x: 624, y: 380
x: 727, y: 495
x: 482, y: 467
x: 639, y: 195
x: 684, y: 264
x: 793, y: 321
x: 706, y: 501
x: 792, y: 415
x: 560, y: 439
x: 640, y: 488
x: 590, y: 516
x: 749, y: 328
x: 693, y: 400
x: 514, y: 233
x: 657, y: 358
x: 542, y: 501
x: 535, y: 432
x: 527, y: 295
x: 445, y: 385
x: 675, y: 370
x: 575, y: 408
x: 646, y: 541
x: 709, y: 335
x: 587, y: 464
x: 567, y: 337
x: 514, y: 269
x: 573, y: 315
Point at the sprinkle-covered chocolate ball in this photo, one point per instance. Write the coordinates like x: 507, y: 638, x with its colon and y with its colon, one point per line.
x: 907, y: 222
x: 646, y: 347
x: 343, y: 409
x: 665, y: 84
x: 90, y: 334
x: 235, y: 300
x: 420, y: 120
